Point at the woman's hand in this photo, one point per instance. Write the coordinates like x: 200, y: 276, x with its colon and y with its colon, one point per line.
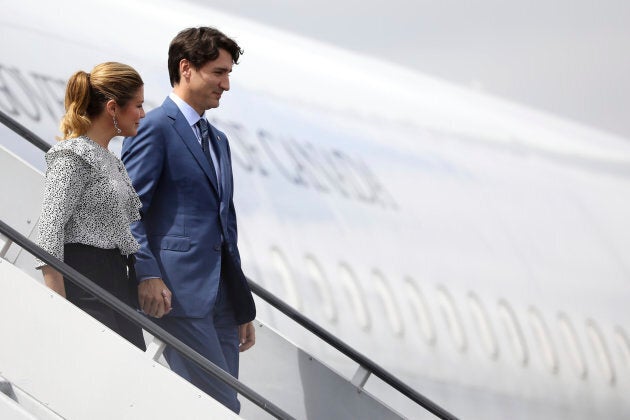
x: 54, y: 280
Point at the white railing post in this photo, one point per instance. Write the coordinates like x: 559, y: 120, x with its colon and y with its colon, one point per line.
x: 155, y: 349
x: 360, y: 377
x: 5, y: 246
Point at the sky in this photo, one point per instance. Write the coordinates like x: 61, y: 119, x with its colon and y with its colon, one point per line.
x: 569, y: 58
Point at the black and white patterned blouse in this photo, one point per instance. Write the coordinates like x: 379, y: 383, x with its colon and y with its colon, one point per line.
x: 88, y: 199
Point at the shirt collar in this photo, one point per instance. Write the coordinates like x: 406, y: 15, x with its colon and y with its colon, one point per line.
x: 189, y: 113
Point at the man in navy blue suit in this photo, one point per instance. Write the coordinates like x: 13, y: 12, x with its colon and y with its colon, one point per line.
x: 188, y: 266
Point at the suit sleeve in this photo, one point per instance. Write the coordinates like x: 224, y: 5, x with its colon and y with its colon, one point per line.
x: 66, y: 179
x: 232, y: 229
x: 143, y: 156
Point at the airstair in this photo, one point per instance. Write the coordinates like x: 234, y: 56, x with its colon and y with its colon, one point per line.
x: 57, y: 362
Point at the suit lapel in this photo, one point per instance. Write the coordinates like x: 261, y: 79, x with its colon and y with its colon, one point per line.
x: 223, y: 159
x: 187, y: 136
x: 225, y: 170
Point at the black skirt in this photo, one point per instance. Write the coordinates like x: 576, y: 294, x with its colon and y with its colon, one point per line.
x: 108, y: 269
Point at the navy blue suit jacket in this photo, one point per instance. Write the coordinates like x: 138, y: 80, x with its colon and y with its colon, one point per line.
x: 183, y: 217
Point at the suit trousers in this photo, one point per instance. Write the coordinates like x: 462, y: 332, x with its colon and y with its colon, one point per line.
x: 108, y: 269
x: 215, y: 337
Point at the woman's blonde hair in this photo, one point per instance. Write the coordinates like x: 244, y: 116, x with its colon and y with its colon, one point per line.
x: 87, y: 94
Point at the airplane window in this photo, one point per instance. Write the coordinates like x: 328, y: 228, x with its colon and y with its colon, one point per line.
x: 484, y: 329
x: 420, y: 310
x: 354, y: 295
x: 514, y: 332
x: 316, y: 274
x: 385, y: 294
x: 572, y: 345
x: 451, y: 316
x: 598, y: 345
x: 541, y: 332
x: 283, y: 271
x: 623, y: 345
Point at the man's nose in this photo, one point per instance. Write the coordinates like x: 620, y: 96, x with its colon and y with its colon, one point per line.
x: 225, y: 83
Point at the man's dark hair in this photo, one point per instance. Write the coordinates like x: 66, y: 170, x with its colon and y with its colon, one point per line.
x: 199, y: 46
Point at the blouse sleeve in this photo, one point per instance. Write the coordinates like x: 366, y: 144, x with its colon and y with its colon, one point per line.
x: 66, y: 179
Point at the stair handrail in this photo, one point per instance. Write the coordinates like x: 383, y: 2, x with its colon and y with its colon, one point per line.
x: 141, y: 320
x: 24, y: 132
x: 350, y: 352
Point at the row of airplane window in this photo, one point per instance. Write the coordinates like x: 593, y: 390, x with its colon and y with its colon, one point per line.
x: 450, y: 313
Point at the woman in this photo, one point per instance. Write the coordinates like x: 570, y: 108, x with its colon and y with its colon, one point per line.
x: 89, y: 201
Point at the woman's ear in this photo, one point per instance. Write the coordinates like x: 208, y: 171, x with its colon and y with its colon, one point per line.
x: 110, y: 107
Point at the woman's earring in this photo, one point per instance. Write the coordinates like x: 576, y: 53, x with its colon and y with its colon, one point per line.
x: 118, y: 130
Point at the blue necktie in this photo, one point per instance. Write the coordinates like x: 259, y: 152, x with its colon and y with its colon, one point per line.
x: 205, y: 147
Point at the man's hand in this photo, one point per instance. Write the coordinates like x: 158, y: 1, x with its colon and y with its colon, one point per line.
x: 154, y: 297
x: 246, y: 336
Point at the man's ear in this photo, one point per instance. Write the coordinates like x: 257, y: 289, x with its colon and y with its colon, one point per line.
x: 184, y: 68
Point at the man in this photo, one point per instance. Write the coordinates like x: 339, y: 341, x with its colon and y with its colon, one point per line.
x: 188, y: 266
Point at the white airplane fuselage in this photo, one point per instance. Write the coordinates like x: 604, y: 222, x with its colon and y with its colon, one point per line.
x: 474, y: 248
